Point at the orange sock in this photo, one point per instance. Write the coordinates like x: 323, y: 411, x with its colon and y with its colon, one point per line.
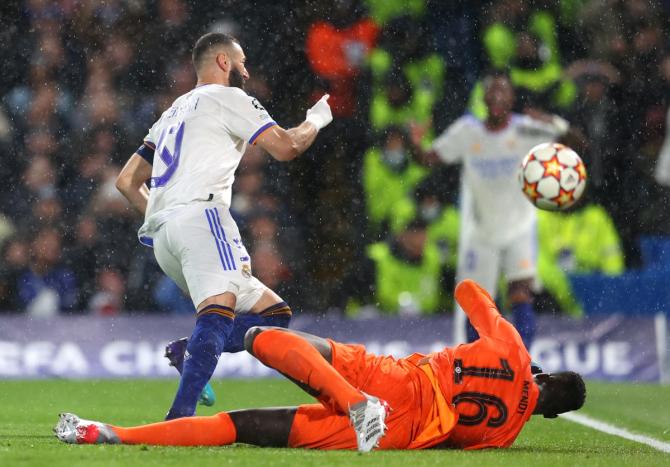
x: 295, y: 357
x: 217, y: 430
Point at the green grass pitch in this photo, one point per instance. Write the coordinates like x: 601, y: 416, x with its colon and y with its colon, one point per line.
x: 28, y: 410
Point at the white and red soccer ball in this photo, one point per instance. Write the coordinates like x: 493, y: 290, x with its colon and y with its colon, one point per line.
x: 552, y: 176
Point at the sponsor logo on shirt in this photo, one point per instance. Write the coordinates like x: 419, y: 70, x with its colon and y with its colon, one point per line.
x: 534, y: 132
x: 494, y: 168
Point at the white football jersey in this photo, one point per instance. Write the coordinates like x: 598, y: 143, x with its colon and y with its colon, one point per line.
x: 199, y: 142
x: 491, y: 198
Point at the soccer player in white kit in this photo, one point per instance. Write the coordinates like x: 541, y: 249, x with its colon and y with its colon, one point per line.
x: 498, y: 225
x: 189, y: 158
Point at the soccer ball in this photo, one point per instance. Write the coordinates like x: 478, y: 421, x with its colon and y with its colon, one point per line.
x: 552, y: 176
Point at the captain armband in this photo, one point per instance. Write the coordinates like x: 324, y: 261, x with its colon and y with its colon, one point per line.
x: 146, y: 151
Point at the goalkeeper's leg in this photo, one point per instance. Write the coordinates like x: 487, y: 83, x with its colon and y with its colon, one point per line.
x: 260, y: 427
x: 306, y: 360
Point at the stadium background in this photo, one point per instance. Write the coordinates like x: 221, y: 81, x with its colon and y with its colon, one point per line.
x: 83, y: 80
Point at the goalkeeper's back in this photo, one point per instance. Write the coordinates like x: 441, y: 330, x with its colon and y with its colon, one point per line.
x: 489, y: 381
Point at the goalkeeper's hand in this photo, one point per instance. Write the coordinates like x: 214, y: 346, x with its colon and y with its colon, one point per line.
x: 320, y: 114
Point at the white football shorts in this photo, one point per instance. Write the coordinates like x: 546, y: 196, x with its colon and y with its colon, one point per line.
x: 483, y: 261
x: 200, y: 248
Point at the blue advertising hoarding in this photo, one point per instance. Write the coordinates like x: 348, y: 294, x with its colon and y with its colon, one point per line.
x: 616, y: 348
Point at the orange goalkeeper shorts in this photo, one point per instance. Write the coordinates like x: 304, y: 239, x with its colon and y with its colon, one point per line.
x: 403, y: 385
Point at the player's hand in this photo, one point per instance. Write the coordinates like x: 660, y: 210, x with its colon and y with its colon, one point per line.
x: 417, y: 130
x: 320, y: 114
x: 473, y: 298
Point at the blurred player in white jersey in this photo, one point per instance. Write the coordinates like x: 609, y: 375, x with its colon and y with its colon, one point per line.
x: 189, y: 160
x: 498, y: 225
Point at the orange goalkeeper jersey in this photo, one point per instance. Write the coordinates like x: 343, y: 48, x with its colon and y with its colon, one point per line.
x: 489, y: 381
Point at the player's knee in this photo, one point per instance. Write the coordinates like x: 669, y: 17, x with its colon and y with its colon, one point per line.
x: 209, y: 335
x: 520, y: 291
x: 250, y: 336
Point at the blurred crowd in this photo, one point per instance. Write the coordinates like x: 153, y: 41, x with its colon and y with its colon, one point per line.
x: 83, y: 80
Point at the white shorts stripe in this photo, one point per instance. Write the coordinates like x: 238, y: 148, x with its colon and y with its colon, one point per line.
x: 217, y: 240
x: 225, y: 244
x: 190, y: 248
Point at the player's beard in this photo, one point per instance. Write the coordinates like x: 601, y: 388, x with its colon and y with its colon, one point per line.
x: 235, y: 79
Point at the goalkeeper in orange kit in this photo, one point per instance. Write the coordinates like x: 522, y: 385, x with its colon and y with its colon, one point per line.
x: 472, y: 396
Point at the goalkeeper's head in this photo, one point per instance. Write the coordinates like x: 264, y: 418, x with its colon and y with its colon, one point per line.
x: 559, y: 392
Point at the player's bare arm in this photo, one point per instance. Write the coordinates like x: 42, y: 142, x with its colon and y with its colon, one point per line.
x: 569, y: 135
x: 286, y: 145
x: 131, y: 182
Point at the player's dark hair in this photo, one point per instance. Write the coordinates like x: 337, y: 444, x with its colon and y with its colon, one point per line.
x: 559, y: 392
x: 393, y: 130
x: 206, y: 43
x: 416, y: 224
x: 493, y: 74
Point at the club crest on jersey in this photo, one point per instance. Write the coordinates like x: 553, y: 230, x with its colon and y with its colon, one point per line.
x: 246, y: 271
